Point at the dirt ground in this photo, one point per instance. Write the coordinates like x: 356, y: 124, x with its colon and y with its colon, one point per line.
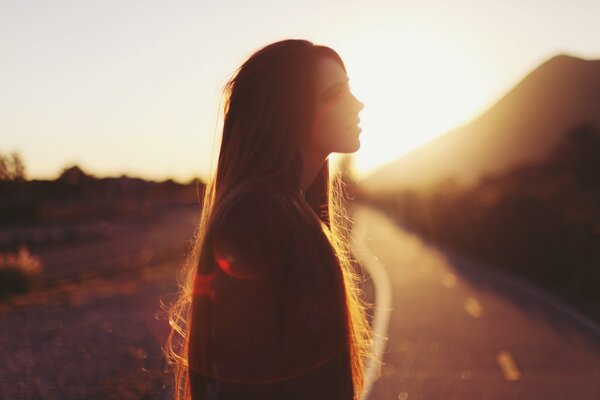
x: 97, y: 339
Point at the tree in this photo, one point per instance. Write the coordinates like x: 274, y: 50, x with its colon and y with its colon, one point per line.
x: 12, y: 167
x: 73, y: 175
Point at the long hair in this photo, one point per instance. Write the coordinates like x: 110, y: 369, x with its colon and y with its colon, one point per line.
x: 269, y: 106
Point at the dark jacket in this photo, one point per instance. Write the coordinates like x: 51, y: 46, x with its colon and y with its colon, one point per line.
x: 268, y: 316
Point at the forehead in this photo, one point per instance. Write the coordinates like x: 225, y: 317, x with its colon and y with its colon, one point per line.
x: 329, y: 73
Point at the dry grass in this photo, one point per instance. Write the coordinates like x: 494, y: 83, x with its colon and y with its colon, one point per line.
x: 19, y: 272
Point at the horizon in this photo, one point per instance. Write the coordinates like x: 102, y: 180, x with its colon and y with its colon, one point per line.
x: 139, y: 98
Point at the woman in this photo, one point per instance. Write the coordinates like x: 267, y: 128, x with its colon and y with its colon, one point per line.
x: 270, y: 307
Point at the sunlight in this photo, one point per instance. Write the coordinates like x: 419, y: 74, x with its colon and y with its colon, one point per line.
x: 416, y: 84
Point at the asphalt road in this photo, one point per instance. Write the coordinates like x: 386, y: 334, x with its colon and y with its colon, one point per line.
x: 447, y: 329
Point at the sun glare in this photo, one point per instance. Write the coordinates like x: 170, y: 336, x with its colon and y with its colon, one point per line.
x: 415, y: 84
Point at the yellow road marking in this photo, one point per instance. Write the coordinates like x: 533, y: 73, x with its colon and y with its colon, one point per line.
x: 449, y: 280
x: 473, y: 307
x: 508, y: 366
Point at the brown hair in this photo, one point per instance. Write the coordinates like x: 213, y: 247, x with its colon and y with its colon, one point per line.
x: 269, y: 107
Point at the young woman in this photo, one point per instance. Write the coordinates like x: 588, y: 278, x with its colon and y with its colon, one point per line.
x: 270, y: 306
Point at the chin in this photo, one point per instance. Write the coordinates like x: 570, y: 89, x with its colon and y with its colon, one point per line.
x: 351, y: 148
x: 356, y: 145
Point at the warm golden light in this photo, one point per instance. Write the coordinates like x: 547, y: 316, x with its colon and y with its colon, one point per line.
x: 416, y: 84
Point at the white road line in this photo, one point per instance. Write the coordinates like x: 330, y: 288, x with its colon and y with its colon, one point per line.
x: 508, y: 366
x: 383, y: 299
x: 473, y: 308
x: 449, y: 280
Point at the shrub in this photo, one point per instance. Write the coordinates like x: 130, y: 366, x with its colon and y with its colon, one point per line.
x: 19, y: 272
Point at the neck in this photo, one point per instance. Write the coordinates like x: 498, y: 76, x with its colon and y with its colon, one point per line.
x: 312, y: 164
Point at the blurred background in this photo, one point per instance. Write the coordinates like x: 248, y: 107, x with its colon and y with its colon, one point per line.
x: 481, y: 142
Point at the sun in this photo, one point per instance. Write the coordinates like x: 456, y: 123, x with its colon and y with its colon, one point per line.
x: 415, y: 84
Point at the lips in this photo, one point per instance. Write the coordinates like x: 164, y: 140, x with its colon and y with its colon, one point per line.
x: 355, y: 124
x: 354, y: 128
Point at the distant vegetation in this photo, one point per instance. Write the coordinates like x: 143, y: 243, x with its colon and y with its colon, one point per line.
x: 541, y: 220
x: 12, y: 167
x: 78, y: 196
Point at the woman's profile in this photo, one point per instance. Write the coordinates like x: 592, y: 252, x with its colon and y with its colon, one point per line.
x: 269, y: 305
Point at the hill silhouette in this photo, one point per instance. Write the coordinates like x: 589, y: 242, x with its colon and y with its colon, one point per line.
x: 522, y: 127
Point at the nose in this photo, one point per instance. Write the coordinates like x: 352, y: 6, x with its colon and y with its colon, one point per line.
x: 359, y: 104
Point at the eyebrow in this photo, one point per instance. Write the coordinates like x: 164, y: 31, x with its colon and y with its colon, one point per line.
x: 336, y: 85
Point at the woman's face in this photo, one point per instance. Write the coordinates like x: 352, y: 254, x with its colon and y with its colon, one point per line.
x: 336, y: 125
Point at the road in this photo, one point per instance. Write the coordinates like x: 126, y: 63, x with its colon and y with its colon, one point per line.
x: 453, y: 331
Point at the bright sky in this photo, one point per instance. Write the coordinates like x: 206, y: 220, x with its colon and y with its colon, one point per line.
x: 133, y: 87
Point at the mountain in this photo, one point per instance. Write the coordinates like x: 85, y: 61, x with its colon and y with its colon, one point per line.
x: 523, y: 126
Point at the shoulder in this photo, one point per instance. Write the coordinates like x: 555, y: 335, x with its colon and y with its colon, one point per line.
x: 251, y: 231
x: 252, y: 204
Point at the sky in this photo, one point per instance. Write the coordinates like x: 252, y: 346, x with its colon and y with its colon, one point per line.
x: 134, y: 87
